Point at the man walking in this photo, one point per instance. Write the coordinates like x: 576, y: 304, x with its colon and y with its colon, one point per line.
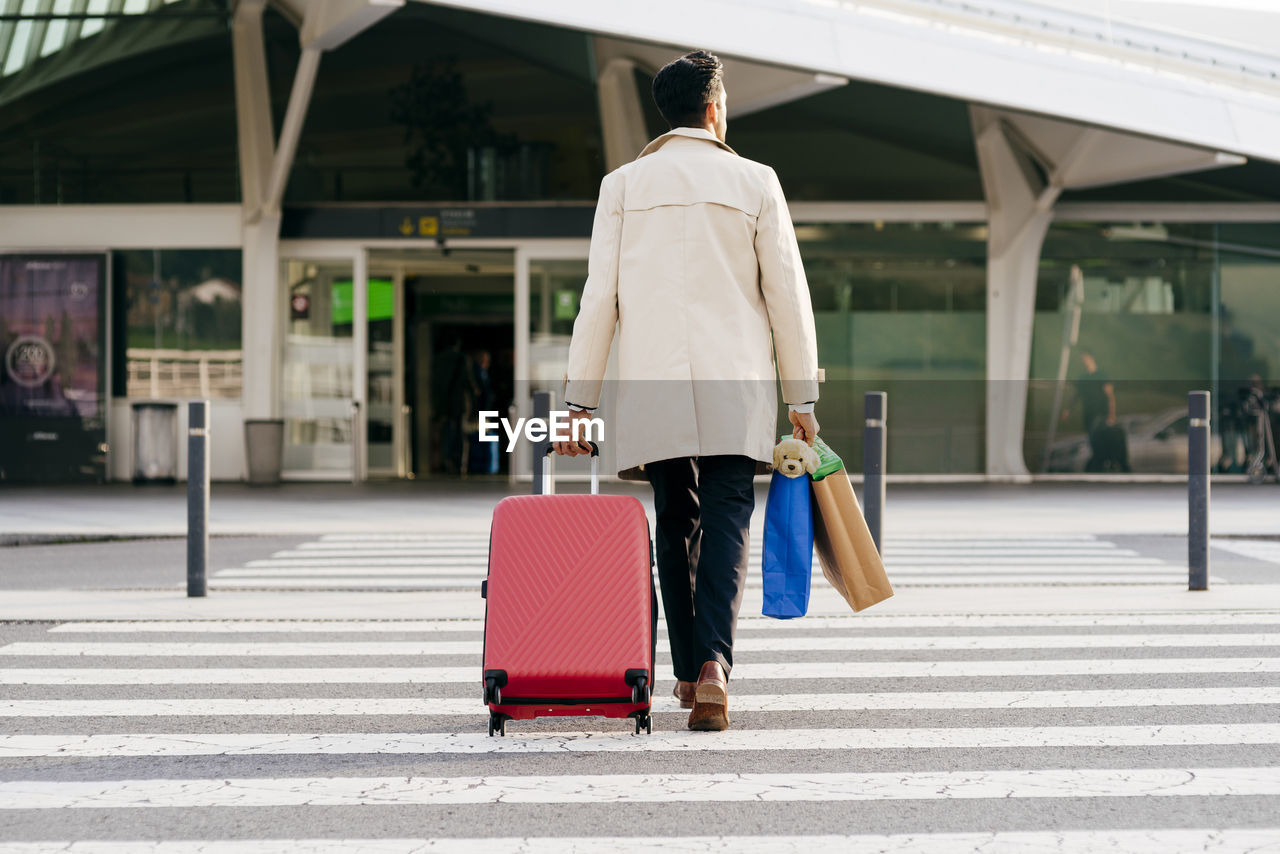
x: 1108, y: 444
x: 694, y: 260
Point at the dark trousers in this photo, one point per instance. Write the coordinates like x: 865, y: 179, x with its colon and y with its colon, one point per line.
x: 704, y: 509
x: 1108, y: 446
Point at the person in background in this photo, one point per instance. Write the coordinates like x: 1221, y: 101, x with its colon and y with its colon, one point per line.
x: 1096, y: 395
x: 484, y: 455
x: 452, y: 392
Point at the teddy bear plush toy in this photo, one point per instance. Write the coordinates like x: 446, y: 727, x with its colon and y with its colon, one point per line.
x: 793, y: 457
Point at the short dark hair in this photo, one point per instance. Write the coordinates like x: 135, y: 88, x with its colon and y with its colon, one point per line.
x: 683, y: 88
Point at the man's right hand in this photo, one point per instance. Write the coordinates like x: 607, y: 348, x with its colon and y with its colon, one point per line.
x: 804, y: 426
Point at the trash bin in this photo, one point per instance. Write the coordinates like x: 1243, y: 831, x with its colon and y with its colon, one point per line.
x: 264, y: 449
x: 155, y: 441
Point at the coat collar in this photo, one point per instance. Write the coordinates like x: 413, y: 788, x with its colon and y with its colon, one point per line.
x: 691, y: 133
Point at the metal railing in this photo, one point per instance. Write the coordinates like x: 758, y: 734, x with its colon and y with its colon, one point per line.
x: 184, y: 373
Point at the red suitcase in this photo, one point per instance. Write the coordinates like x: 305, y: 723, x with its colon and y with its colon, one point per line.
x: 569, y: 608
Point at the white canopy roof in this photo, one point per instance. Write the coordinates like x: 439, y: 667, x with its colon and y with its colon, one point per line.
x: 1012, y: 54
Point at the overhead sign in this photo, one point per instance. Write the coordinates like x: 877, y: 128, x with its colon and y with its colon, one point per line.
x: 438, y: 222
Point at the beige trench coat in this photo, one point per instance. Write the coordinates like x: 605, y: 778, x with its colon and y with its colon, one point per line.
x: 694, y: 261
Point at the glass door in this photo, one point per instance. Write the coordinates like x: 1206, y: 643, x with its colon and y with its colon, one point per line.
x: 440, y: 350
x: 549, y: 284
x: 387, y: 415
x: 320, y: 401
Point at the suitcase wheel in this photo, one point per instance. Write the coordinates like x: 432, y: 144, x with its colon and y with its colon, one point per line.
x: 497, y: 724
x: 639, y: 682
x: 644, y: 721
x: 494, y: 680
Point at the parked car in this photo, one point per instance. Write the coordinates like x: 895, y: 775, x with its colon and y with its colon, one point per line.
x: 1157, y: 445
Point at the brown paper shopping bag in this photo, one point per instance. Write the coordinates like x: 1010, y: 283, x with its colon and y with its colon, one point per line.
x: 845, y: 549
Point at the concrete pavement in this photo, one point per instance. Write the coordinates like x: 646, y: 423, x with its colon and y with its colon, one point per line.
x: 41, y: 513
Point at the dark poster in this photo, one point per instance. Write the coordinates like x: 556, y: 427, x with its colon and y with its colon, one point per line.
x: 52, y: 377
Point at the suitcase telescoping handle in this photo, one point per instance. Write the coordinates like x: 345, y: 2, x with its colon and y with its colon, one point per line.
x: 549, y: 487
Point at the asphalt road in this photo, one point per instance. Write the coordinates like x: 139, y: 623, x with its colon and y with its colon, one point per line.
x: 124, y: 564
x: 161, y: 563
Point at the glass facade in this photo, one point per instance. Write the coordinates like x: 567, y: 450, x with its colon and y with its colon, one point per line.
x: 134, y: 109
x: 1131, y: 317
x: 901, y: 308
x: 443, y: 104
x: 1248, y: 343
x: 178, y: 315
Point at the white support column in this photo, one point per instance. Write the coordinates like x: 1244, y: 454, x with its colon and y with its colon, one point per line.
x: 260, y: 314
x: 304, y: 80
x: 264, y: 171
x: 261, y: 322
x: 621, y: 113
x: 1019, y: 213
x: 255, y: 133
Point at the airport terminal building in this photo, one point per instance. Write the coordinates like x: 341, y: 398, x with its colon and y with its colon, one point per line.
x: 367, y: 219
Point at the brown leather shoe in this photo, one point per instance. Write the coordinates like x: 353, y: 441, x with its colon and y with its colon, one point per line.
x: 684, y: 692
x: 711, y: 700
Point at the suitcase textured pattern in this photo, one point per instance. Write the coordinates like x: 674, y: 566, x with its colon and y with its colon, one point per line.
x: 568, y: 620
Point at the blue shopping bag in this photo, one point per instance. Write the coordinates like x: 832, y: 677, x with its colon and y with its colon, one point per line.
x: 788, y: 547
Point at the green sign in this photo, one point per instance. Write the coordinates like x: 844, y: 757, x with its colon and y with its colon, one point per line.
x: 566, y: 305
x: 382, y: 301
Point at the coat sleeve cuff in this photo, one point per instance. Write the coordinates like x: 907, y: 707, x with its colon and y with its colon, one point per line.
x: 584, y: 394
x: 799, y: 391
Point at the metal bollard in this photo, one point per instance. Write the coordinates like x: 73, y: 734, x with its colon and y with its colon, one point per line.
x: 541, y: 409
x: 197, y: 496
x: 876, y: 405
x: 1198, y: 491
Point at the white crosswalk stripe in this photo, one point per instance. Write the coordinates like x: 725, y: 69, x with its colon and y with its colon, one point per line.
x: 1254, y: 840
x: 991, y: 738
x: 787, y: 671
x: 460, y: 561
x: 1186, y: 728
x: 746, y: 624
x: 382, y: 581
x: 441, y: 707
x: 416, y: 649
x: 1264, y: 550
x: 646, y: 789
